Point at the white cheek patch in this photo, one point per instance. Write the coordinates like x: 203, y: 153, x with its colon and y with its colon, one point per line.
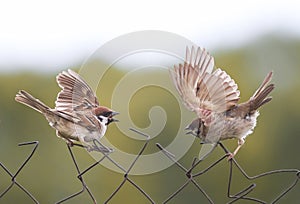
x: 103, y: 120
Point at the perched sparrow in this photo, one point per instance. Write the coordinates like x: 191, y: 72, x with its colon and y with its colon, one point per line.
x: 214, y: 97
x: 77, y: 115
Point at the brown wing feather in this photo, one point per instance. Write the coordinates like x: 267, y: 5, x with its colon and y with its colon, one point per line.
x: 199, y: 87
x: 185, y: 81
x: 76, y: 94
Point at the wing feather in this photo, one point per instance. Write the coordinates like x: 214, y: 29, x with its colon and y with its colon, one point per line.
x: 76, y: 94
x: 200, y: 87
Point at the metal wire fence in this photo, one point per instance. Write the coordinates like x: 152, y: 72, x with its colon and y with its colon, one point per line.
x: 188, y: 173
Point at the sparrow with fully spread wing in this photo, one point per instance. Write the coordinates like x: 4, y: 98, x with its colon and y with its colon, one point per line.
x: 214, y: 97
x: 77, y: 116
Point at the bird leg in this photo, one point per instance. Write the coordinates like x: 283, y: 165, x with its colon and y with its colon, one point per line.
x: 70, y: 143
x: 241, y: 141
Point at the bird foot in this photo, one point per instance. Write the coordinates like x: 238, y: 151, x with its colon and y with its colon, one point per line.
x: 101, y: 148
x: 72, y: 144
x: 69, y: 143
x: 230, y: 156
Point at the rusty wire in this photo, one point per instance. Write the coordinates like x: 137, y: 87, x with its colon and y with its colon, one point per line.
x: 84, y: 185
x: 242, y: 195
x: 98, y: 145
x: 14, y: 176
x: 188, y: 172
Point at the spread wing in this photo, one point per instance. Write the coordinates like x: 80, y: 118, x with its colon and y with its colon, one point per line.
x: 200, y: 87
x: 76, y: 94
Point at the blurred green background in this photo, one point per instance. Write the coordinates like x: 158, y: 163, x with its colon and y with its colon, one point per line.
x: 50, y: 175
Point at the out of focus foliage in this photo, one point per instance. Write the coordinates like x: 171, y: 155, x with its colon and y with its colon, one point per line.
x: 51, y: 175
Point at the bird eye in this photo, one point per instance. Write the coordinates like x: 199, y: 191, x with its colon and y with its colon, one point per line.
x: 106, y: 114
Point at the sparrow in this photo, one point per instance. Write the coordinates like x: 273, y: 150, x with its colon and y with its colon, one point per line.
x: 77, y: 117
x: 213, y: 96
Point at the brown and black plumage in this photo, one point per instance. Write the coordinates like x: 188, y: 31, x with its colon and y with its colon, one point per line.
x: 77, y: 116
x: 214, y: 96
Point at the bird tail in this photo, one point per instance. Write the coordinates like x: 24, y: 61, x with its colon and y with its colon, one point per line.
x: 30, y: 101
x: 260, y: 97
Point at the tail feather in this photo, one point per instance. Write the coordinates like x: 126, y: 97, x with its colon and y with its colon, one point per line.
x: 28, y: 100
x: 260, y: 97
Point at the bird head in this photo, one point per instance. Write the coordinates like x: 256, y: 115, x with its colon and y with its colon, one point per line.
x: 106, y: 115
x: 194, y: 128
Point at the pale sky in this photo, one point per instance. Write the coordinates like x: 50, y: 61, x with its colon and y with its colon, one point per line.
x: 59, y: 34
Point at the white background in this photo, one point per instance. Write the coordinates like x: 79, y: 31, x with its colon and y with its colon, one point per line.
x: 58, y: 34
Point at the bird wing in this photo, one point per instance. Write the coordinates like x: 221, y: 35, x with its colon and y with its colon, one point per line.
x: 201, y: 88
x: 76, y: 94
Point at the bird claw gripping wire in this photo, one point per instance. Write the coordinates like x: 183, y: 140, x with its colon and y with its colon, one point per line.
x: 188, y: 172
x: 98, y: 146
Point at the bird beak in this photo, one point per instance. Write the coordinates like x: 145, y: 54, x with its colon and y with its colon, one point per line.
x: 114, y: 113
x: 113, y: 119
